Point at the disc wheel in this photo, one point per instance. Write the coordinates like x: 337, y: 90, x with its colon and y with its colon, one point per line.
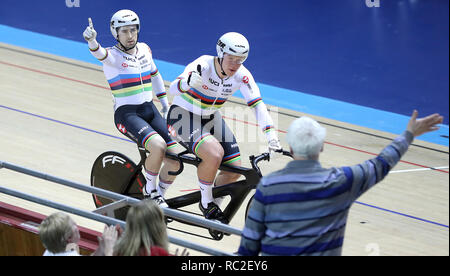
x: 113, y: 171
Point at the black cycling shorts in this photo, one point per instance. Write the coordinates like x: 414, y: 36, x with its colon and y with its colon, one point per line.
x: 193, y: 130
x: 141, y: 123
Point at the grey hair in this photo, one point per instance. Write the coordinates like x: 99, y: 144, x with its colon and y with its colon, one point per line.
x: 305, y: 136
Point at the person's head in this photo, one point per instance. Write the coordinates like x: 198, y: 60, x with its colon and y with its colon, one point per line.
x: 232, y: 50
x: 58, y: 230
x: 145, y: 227
x: 305, y: 137
x: 125, y: 26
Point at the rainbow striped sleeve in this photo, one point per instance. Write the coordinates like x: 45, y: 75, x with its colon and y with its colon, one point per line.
x: 95, y: 49
x: 253, y: 103
x: 97, y: 52
x: 179, y: 86
x: 154, y: 73
x: 161, y: 95
x: 268, y: 128
x: 103, y: 58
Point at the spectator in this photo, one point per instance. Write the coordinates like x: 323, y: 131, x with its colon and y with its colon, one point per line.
x: 60, y: 236
x: 303, y: 208
x: 145, y: 233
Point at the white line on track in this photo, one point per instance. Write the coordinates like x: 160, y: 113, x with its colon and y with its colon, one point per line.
x: 416, y: 170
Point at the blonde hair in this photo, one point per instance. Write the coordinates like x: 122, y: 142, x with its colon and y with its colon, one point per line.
x: 55, y: 232
x: 145, y: 227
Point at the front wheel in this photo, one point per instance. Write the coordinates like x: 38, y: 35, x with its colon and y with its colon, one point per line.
x: 215, y: 234
x: 247, y: 209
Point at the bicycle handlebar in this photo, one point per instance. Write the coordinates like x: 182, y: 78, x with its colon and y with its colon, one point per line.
x: 254, y: 160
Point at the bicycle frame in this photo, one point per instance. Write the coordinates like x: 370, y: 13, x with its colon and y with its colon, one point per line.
x: 238, y: 190
x: 132, y: 184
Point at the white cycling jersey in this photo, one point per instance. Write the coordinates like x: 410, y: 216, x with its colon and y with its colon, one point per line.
x: 216, y: 91
x: 132, y: 78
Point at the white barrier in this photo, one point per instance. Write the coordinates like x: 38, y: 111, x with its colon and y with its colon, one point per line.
x: 120, y: 198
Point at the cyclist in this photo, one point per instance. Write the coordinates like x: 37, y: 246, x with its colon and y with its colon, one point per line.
x: 194, y: 117
x: 133, y: 78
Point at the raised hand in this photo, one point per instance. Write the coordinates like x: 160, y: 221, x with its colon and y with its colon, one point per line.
x: 90, y: 33
x: 423, y: 125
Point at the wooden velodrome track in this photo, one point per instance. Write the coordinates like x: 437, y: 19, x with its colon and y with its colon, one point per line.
x: 56, y: 117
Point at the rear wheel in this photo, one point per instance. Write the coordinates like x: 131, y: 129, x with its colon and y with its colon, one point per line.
x: 114, y: 171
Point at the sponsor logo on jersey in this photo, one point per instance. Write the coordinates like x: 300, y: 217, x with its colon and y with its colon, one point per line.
x: 172, y: 131
x: 122, y: 128
x: 142, y: 129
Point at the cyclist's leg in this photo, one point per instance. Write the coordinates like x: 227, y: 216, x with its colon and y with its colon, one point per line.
x: 211, y: 153
x: 160, y: 126
x: 188, y: 127
x: 232, y: 155
x: 131, y: 120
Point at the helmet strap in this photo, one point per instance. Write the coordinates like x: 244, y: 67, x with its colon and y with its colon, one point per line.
x: 221, y: 67
x: 125, y: 48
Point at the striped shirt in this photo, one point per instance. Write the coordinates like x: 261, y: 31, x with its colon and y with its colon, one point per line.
x: 303, y: 208
x: 132, y: 78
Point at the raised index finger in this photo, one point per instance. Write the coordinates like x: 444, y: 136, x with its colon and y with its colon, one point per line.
x: 90, y: 23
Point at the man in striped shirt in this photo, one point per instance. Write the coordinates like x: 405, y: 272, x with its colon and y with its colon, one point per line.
x: 303, y: 208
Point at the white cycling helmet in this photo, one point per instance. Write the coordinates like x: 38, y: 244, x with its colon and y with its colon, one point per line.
x: 123, y: 18
x: 233, y: 44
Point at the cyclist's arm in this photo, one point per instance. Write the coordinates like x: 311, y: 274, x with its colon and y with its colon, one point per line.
x: 252, y: 95
x: 179, y: 85
x: 157, y: 82
x: 100, y: 53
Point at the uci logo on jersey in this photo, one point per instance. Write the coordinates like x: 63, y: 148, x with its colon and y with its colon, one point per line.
x: 129, y: 58
x: 216, y: 83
